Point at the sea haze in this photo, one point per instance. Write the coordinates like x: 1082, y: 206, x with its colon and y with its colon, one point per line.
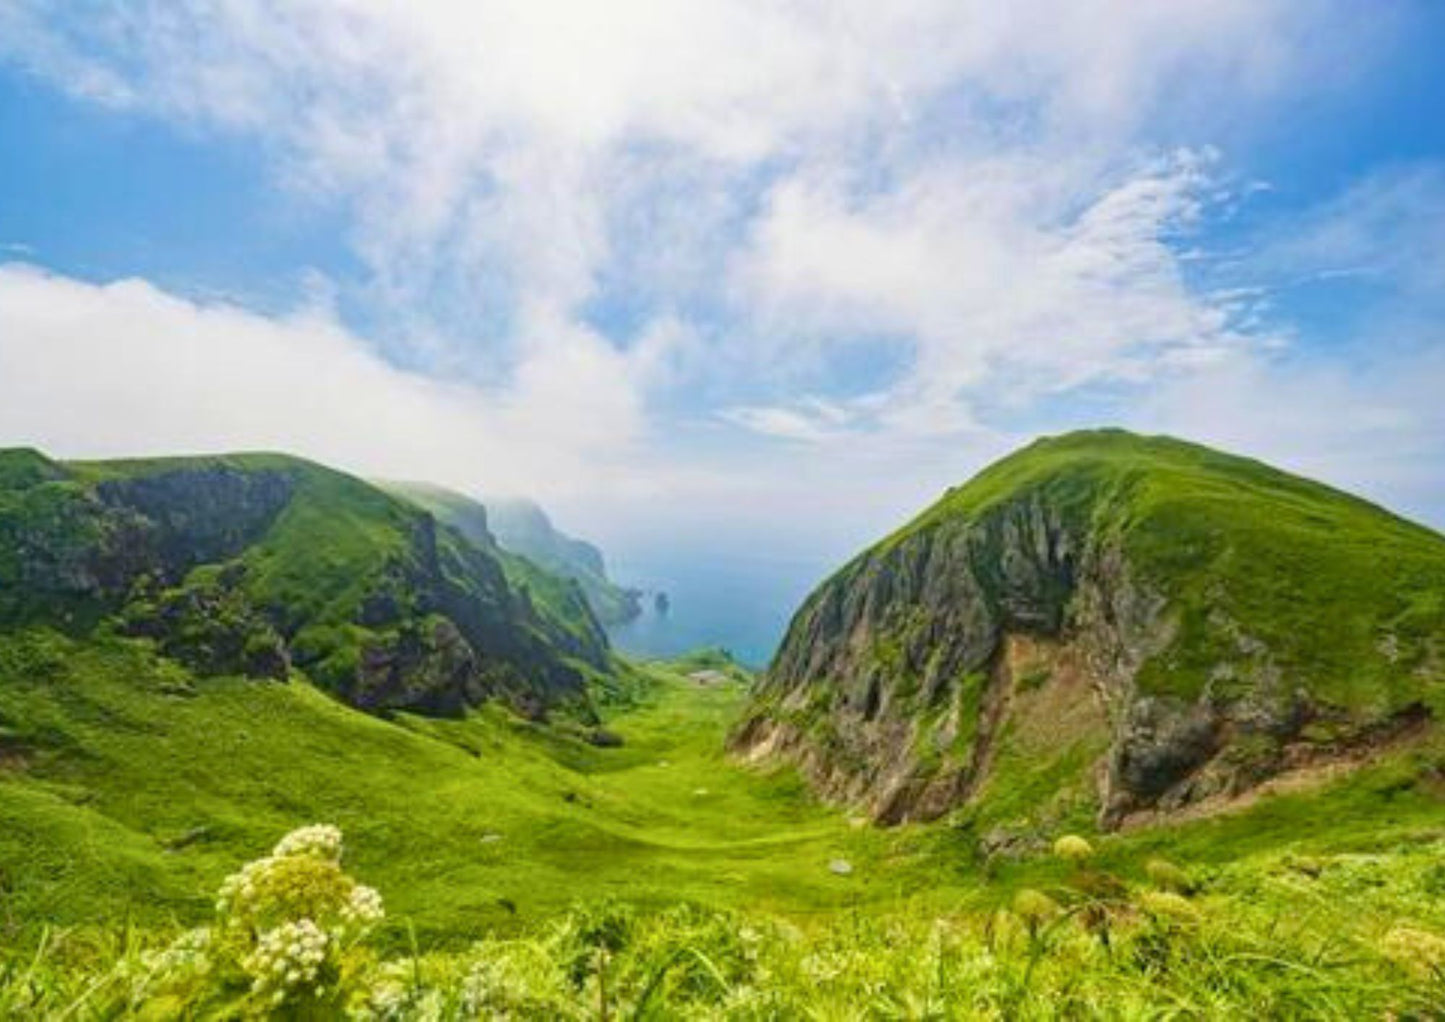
x: 741, y: 602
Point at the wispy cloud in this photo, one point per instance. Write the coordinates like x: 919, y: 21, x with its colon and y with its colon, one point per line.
x: 595, y: 234
x: 1001, y: 273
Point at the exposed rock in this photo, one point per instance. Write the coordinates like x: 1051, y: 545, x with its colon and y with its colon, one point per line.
x: 210, y: 626
x: 1019, y: 623
x: 358, y: 589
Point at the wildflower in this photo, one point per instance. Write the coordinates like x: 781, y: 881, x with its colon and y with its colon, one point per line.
x: 188, y: 953
x: 388, y: 995
x: 289, y: 918
x: 1034, y: 906
x: 286, y: 959
x: 1073, y: 848
x: 363, y: 908
x: 320, y: 840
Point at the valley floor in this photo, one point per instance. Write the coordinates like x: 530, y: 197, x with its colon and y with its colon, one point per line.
x: 526, y: 870
x: 129, y: 790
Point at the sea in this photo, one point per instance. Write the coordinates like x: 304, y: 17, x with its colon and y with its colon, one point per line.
x: 740, y: 602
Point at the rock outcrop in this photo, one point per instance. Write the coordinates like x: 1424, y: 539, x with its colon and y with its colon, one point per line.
x: 259, y: 564
x: 1080, y: 612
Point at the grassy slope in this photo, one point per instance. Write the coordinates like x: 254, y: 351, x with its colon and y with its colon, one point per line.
x: 1321, y: 577
x: 338, y: 540
x: 128, y: 798
x: 556, y: 595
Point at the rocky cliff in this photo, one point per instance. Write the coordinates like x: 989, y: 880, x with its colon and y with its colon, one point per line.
x: 521, y: 529
x: 261, y: 564
x: 1109, y: 623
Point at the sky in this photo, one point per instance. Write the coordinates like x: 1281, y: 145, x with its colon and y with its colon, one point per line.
x: 730, y: 279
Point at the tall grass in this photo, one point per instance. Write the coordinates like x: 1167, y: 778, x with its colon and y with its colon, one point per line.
x: 1347, y: 937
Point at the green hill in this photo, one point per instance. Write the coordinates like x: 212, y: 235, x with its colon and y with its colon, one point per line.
x: 560, y: 595
x: 1113, y: 624
x: 259, y: 564
x: 129, y: 788
x: 197, y: 653
x: 185, y: 648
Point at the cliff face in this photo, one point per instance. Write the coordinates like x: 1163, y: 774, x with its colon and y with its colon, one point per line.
x: 535, y: 554
x: 1105, y: 620
x: 260, y: 564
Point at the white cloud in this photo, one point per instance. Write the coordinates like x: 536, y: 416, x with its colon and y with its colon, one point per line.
x: 978, y: 189
x: 1004, y: 274
x: 125, y: 368
x: 489, y: 148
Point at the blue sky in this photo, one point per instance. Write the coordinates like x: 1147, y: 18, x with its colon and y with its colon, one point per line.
x: 726, y: 273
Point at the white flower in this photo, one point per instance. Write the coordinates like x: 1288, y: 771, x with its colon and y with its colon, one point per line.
x: 363, y: 908
x: 286, y: 958
x: 320, y: 840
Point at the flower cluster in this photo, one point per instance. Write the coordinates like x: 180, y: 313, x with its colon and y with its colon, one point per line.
x: 302, y: 878
x: 281, y: 888
x: 290, y: 918
x: 319, y: 841
x: 363, y: 909
x: 389, y: 995
x: 1168, y: 906
x: 1168, y: 876
x: 188, y: 953
x: 1417, y: 951
x: 1034, y: 907
x: 286, y: 960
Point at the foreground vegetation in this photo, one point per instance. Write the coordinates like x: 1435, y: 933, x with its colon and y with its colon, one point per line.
x: 1349, y: 936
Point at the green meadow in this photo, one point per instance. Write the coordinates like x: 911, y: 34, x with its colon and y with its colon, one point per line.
x: 528, y: 872
x: 151, y: 786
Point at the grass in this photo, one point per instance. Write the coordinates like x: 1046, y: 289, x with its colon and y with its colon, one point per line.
x: 1321, y: 578
x: 1292, y: 618
x: 543, y: 560
x: 544, y: 871
x: 258, y: 549
x: 130, y: 790
x: 1339, y: 937
x: 472, y: 824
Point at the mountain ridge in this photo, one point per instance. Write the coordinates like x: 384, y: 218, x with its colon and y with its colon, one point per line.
x: 1194, y: 622
x: 258, y: 563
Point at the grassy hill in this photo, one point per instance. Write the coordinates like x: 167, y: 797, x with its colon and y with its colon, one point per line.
x: 1103, y: 623
x: 257, y: 564
x: 527, y: 871
x: 561, y: 595
x: 129, y: 788
x: 614, y: 860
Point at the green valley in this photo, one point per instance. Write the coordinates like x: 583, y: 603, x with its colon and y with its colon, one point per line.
x: 199, y: 657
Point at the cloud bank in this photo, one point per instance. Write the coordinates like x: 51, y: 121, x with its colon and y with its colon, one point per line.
x: 653, y: 257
